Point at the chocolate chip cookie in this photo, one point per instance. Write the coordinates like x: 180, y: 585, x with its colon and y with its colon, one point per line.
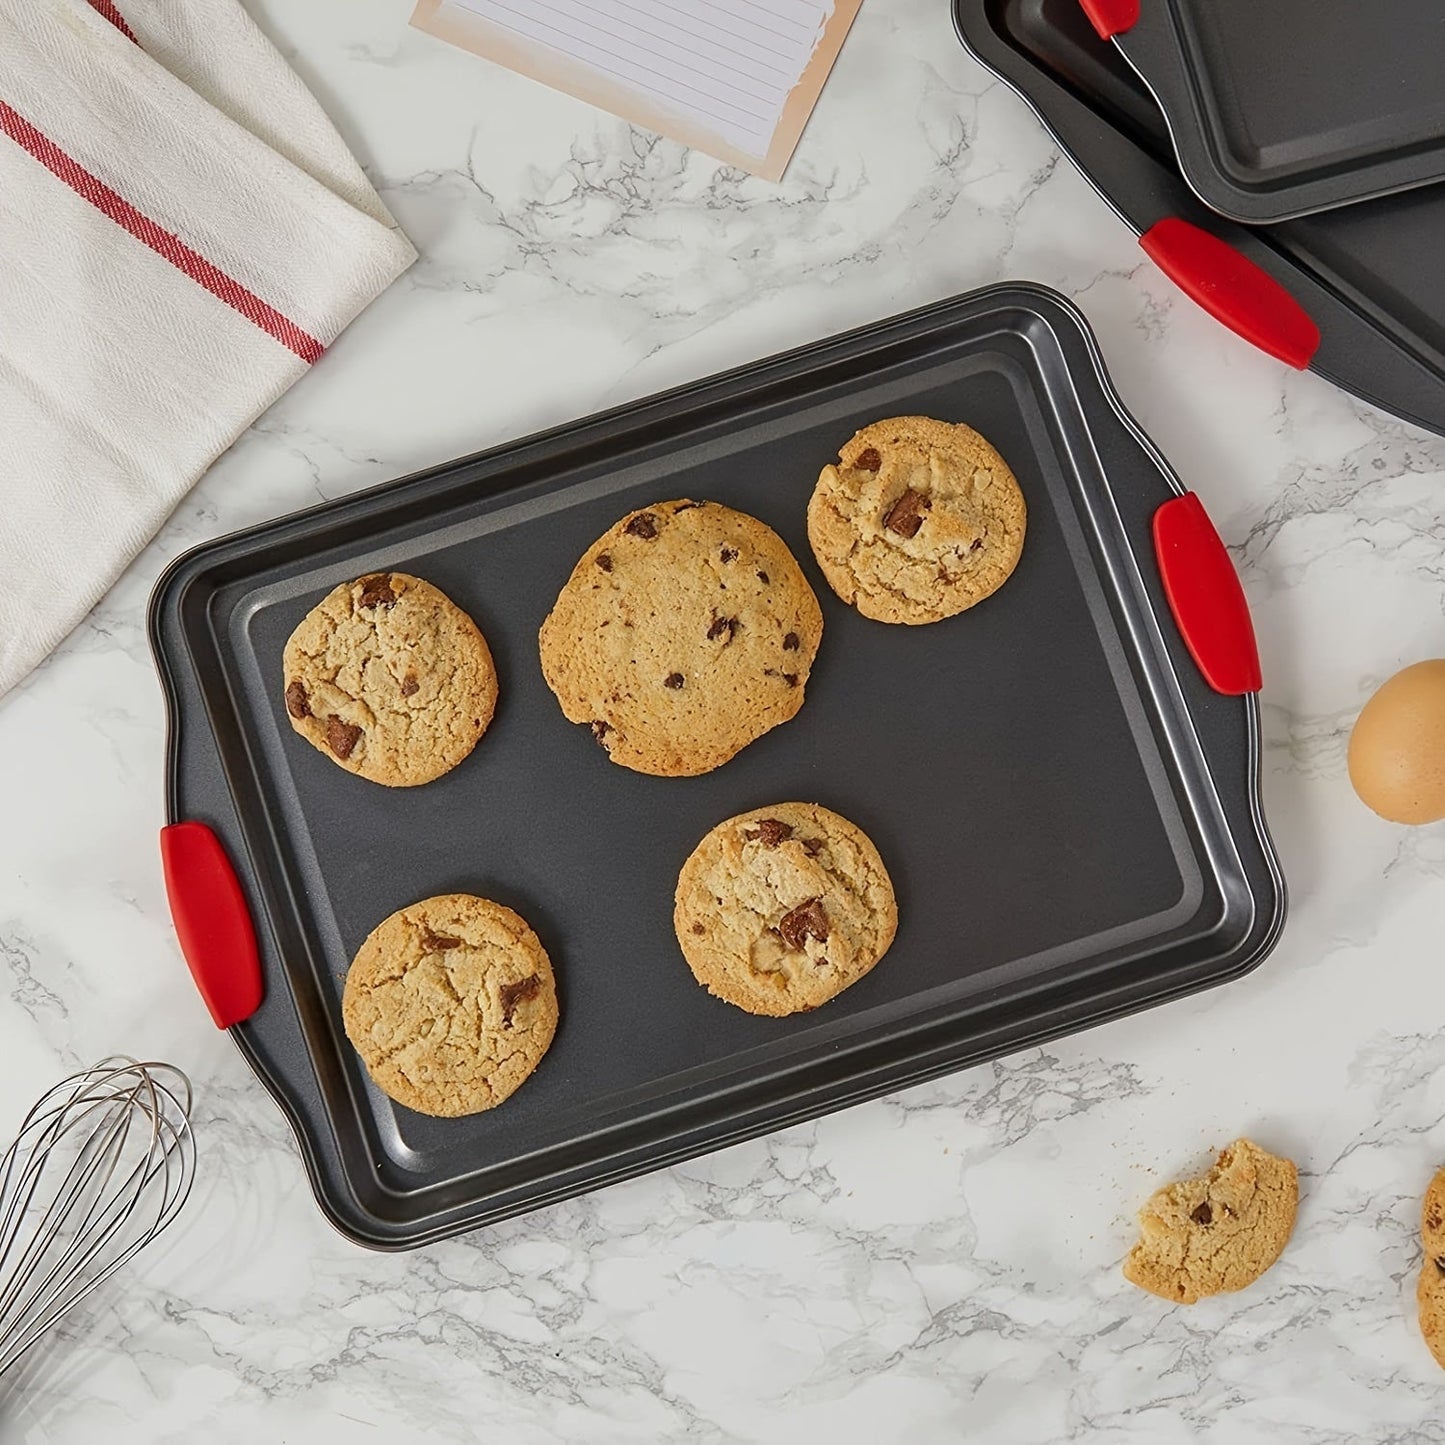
x: 390, y: 679
x: 1219, y: 1233
x: 918, y: 521
x: 686, y: 632
x: 780, y: 909
x: 1430, y: 1292
x: 451, y: 1004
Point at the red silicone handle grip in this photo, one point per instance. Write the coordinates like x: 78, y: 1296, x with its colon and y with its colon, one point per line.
x: 1228, y: 285
x: 1111, y: 17
x: 212, y: 922
x: 1205, y: 596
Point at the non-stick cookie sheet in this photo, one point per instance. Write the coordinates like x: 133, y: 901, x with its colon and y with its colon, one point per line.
x: 1070, y: 814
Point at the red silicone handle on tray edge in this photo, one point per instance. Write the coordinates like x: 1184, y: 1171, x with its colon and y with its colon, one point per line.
x: 1111, y: 17
x: 212, y: 922
x: 1205, y: 596
x: 1228, y: 285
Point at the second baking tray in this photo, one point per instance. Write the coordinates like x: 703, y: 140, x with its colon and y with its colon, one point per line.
x: 1367, y: 276
x: 1069, y: 812
x: 1282, y: 107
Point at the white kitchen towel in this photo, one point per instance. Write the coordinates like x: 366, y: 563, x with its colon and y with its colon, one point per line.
x: 182, y: 234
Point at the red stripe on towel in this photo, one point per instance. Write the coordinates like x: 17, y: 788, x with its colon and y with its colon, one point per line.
x: 107, y: 8
x: 161, y: 241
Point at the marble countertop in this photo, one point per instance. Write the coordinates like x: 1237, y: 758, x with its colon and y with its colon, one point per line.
x: 935, y: 1266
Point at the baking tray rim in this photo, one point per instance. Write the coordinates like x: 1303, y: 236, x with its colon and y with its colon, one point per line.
x: 354, y: 1222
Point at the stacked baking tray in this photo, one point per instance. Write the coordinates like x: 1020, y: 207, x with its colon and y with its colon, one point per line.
x: 1282, y: 162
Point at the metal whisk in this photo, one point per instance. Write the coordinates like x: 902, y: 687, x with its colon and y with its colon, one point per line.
x: 102, y: 1163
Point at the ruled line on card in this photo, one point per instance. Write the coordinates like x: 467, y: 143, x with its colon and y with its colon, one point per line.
x: 629, y: 57
x: 731, y: 62
x: 733, y: 77
x: 735, y: 44
x: 700, y: 59
x: 730, y: 57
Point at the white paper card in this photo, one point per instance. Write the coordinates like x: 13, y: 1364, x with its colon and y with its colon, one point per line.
x: 737, y: 78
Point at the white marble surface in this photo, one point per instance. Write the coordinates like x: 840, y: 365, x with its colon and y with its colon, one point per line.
x: 938, y: 1266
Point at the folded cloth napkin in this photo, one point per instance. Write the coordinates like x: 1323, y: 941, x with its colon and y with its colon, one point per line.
x: 182, y: 234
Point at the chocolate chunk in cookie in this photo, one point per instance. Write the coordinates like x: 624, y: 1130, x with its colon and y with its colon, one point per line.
x: 769, y: 832
x: 905, y: 516
x: 376, y: 591
x: 298, y: 701
x: 341, y: 737
x: 807, y: 920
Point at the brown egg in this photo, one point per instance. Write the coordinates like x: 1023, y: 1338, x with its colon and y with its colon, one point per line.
x: 1397, y: 749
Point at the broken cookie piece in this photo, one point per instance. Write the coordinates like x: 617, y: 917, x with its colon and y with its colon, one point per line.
x: 1430, y: 1290
x: 1219, y: 1232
